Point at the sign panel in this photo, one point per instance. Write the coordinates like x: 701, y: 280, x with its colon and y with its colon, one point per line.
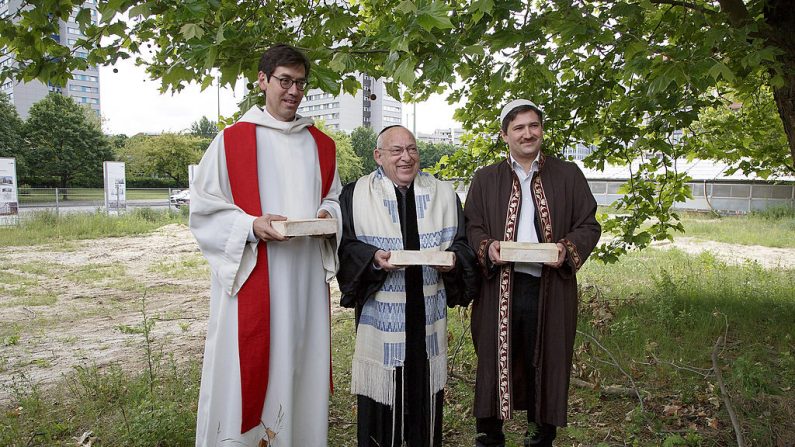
x: 9, y: 200
x: 115, y: 187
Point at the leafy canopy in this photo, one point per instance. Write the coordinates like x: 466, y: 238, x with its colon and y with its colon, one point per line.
x: 165, y: 156
x: 64, y: 145
x: 623, y: 77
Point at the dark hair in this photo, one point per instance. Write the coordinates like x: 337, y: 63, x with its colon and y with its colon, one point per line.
x: 282, y: 55
x: 521, y: 109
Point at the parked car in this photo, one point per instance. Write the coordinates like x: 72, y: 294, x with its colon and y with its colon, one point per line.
x: 180, y: 198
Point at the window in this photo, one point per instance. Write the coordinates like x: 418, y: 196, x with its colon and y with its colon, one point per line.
x: 74, y: 31
x: 83, y: 88
x: 84, y: 100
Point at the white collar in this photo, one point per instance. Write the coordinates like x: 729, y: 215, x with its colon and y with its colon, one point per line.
x: 516, y: 165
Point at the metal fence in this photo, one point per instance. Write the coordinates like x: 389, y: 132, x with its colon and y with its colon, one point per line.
x: 731, y: 197
x: 722, y: 196
x: 61, y: 200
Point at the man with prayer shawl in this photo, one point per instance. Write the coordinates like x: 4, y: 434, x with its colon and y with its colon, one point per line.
x: 524, y: 321
x: 400, y: 360
x: 266, y: 372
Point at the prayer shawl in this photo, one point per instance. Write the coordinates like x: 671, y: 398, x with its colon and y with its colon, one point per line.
x: 380, y: 337
x: 240, y: 144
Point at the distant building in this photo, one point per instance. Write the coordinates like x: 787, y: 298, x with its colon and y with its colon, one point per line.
x: 370, y: 107
x: 83, y: 88
x: 578, y: 152
x: 449, y: 135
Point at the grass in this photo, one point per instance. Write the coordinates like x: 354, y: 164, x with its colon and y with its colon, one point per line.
x: 772, y: 228
x: 656, y: 315
x: 188, y: 267
x: 47, y: 227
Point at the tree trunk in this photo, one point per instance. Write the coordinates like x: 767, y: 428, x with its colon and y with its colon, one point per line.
x: 780, y: 17
x: 785, y: 101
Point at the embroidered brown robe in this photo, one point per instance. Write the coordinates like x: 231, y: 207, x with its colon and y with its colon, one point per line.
x: 565, y: 212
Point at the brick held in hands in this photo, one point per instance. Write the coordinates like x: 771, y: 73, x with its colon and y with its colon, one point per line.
x: 528, y: 252
x: 421, y: 257
x: 305, y: 227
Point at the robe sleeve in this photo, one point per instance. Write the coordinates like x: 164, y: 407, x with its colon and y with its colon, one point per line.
x: 584, y: 231
x: 462, y: 284
x: 476, y: 211
x: 357, y: 278
x: 329, y: 247
x: 220, y: 227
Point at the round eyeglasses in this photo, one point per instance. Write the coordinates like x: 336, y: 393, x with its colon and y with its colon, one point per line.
x: 286, y: 83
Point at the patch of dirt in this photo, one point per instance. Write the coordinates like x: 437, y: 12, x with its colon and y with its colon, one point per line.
x: 767, y: 257
x: 91, y: 320
x: 96, y: 319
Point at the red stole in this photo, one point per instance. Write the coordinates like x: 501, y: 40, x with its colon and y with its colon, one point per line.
x: 253, y: 299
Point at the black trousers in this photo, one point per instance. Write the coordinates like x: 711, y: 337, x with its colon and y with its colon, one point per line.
x: 524, y: 325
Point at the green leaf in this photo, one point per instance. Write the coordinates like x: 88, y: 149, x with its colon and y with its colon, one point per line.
x: 339, y: 62
x: 219, y: 36
x: 474, y: 50
x: 191, y: 30
x: 139, y: 10
x: 325, y: 79
x: 720, y: 69
x: 429, y: 22
x: 482, y: 6
x: 212, y: 54
x: 404, y: 73
x: 407, y: 7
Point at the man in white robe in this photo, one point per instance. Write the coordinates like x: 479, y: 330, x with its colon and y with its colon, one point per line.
x: 294, y: 180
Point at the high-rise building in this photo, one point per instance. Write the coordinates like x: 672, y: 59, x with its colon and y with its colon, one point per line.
x: 84, y: 85
x: 369, y: 107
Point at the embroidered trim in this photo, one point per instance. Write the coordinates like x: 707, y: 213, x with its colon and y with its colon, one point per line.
x: 504, y: 309
x: 542, y: 207
x: 483, y: 253
x: 573, y: 253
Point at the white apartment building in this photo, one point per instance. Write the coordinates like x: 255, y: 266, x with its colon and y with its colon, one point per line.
x: 83, y: 88
x: 450, y: 135
x: 369, y: 107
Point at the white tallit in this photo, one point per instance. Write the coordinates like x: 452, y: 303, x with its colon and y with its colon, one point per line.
x: 381, y: 337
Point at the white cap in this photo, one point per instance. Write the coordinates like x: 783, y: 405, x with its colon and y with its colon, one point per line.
x: 514, y: 104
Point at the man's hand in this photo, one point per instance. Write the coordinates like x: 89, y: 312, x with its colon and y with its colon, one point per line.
x: 444, y: 268
x: 323, y: 214
x: 381, y: 260
x: 561, y: 257
x: 494, y: 254
x: 264, y: 231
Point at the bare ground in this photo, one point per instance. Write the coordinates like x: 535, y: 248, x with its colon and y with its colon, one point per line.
x: 96, y: 304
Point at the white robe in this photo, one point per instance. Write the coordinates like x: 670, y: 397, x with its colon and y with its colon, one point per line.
x: 296, y: 403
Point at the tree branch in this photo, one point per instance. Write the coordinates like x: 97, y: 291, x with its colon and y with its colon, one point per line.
x: 736, y: 12
x: 617, y: 365
x: 725, y: 395
x: 684, y: 4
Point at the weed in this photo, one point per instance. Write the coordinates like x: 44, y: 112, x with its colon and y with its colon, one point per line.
x: 10, y: 340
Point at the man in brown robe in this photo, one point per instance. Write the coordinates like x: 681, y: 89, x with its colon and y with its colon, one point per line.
x: 525, y: 319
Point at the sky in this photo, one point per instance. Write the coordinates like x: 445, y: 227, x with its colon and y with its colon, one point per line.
x: 131, y: 103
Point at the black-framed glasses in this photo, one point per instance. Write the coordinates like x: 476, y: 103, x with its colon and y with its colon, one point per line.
x: 286, y: 83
